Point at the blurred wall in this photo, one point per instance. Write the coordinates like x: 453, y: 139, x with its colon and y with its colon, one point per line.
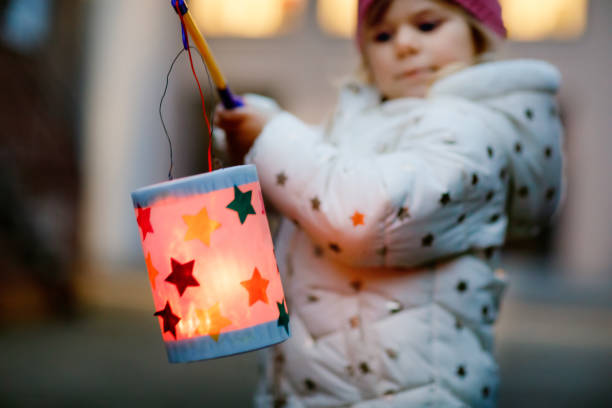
x: 132, y: 44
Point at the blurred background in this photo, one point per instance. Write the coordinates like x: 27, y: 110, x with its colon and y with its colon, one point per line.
x: 80, y: 91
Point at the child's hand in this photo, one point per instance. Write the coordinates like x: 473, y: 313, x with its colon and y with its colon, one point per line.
x: 242, y: 126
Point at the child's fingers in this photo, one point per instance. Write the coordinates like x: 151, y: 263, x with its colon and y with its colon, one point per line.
x: 229, y: 118
x: 233, y: 115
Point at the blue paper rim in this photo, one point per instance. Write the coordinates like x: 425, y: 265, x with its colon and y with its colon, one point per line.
x: 198, y: 184
x: 228, y: 344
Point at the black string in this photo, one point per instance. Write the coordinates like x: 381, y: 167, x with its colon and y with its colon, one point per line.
x: 161, y: 117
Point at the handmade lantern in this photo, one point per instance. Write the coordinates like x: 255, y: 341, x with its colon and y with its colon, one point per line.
x: 210, y: 260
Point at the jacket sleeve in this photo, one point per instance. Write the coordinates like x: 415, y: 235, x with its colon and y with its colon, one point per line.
x: 538, y: 185
x: 440, y: 191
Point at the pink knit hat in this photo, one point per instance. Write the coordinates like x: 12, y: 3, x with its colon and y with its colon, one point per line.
x: 487, y: 12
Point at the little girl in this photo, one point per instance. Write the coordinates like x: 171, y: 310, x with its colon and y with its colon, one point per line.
x: 397, y: 208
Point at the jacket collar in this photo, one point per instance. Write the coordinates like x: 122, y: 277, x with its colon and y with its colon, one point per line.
x: 497, y: 78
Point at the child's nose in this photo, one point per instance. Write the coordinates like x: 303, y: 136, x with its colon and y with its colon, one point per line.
x: 407, y: 41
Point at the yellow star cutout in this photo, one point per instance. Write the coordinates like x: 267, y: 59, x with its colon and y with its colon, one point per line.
x: 211, y: 321
x: 151, y: 269
x: 200, y: 226
x: 357, y: 218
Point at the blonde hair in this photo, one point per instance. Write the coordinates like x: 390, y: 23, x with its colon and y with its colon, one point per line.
x: 485, y: 41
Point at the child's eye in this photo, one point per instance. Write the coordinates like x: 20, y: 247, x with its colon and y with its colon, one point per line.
x: 428, y: 26
x: 382, y: 37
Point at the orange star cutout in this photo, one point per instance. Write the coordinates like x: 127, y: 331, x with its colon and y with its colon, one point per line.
x: 357, y: 218
x: 200, y: 226
x: 257, y: 288
x: 211, y: 321
x: 151, y: 269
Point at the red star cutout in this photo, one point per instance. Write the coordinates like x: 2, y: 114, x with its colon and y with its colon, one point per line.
x: 357, y: 218
x: 257, y: 288
x: 182, y: 275
x: 169, y: 318
x: 144, y: 221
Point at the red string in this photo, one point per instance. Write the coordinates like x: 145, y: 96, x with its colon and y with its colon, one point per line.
x: 201, y: 94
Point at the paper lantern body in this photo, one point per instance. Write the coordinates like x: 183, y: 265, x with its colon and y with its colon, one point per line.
x: 211, y: 264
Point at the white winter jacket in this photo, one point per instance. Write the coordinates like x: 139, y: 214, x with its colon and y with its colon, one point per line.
x: 398, y: 209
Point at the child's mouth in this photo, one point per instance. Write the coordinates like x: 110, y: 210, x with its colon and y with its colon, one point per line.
x: 415, y: 73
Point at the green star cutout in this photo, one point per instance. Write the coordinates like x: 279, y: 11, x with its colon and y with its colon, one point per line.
x: 242, y: 204
x: 283, y: 317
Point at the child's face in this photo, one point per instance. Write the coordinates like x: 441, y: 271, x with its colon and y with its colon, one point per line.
x: 414, y: 40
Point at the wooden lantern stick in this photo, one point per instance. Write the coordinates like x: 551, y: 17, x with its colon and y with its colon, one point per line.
x: 228, y: 99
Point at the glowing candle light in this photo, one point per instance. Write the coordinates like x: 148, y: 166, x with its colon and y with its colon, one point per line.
x: 210, y: 261
x: 337, y: 17
x: 529, y: 20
